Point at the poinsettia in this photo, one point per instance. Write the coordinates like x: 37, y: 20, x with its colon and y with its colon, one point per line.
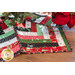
x: 62, y: 18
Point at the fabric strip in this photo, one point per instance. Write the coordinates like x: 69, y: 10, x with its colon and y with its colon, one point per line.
x: 40, y: 45
x: 59, y: 37
x: 8, y: 38
x: 8, y: 42
x: 8, y: 29
x: 7, y: 34
x: 39, y: 19
x: 27, y: 33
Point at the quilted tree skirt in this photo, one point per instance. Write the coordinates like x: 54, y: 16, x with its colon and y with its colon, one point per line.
x: 33, y: 36
x: 37, y: 36
x: 8, y: 38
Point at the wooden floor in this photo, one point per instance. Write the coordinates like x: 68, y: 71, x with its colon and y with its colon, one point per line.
x: 51, y: 57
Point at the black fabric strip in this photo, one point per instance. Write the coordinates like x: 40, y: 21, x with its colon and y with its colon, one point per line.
x: 8, y: 38
x: 53, y: 17
x: 40, y: 15
x: 16, y: 53
x: 10, y: 17
x: 23, y: 29
x: 2, y: 17
x: 40, y: 45
x: 1, y: 31
x: 24, y: 21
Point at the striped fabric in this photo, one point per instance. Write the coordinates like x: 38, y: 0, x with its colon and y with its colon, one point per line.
x: 35, y: 36
x: 43, y: 20
x: 8, y: 38
x: 40, y: 14
x: 42, y: 37
x: 42, y: 33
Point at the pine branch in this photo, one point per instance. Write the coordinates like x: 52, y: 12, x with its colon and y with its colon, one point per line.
x: 18, y: 16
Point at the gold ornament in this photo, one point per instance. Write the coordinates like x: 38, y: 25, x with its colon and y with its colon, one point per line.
x: 7, y: 54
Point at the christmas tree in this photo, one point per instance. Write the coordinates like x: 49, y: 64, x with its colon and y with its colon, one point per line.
x: 17, y: 16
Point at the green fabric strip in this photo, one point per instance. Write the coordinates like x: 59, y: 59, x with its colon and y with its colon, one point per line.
x: 44, y: 50
x: 39, y: 30
x: 38, y: 16
x: 35, y: 41
x: 33, y: 19
x: 7, y: 34
x: 0, y: 14
x: 49, y: 22
x: 8, y: 23
x: 63, y: 36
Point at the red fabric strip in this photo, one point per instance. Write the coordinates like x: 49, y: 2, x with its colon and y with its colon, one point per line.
x: 3, y: 26
x: 30, y: 37
x: 33, y: 27
x: 45, y: 20
x: 13, y: 45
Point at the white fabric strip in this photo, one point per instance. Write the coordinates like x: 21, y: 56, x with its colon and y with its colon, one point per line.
x: 39, y: 19
x: 8, y: 42
x: 8, y: 29
x: 59, y: 37
x: 28, y: 24
x: 27, y: 33
x: 45, y: 32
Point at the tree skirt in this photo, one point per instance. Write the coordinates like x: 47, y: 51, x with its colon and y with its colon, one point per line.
x: 8, y: 38
x: 33, y: 36
x: 39, y: 37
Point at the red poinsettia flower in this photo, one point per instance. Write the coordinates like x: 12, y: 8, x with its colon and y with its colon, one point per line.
x: 61, y: 18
